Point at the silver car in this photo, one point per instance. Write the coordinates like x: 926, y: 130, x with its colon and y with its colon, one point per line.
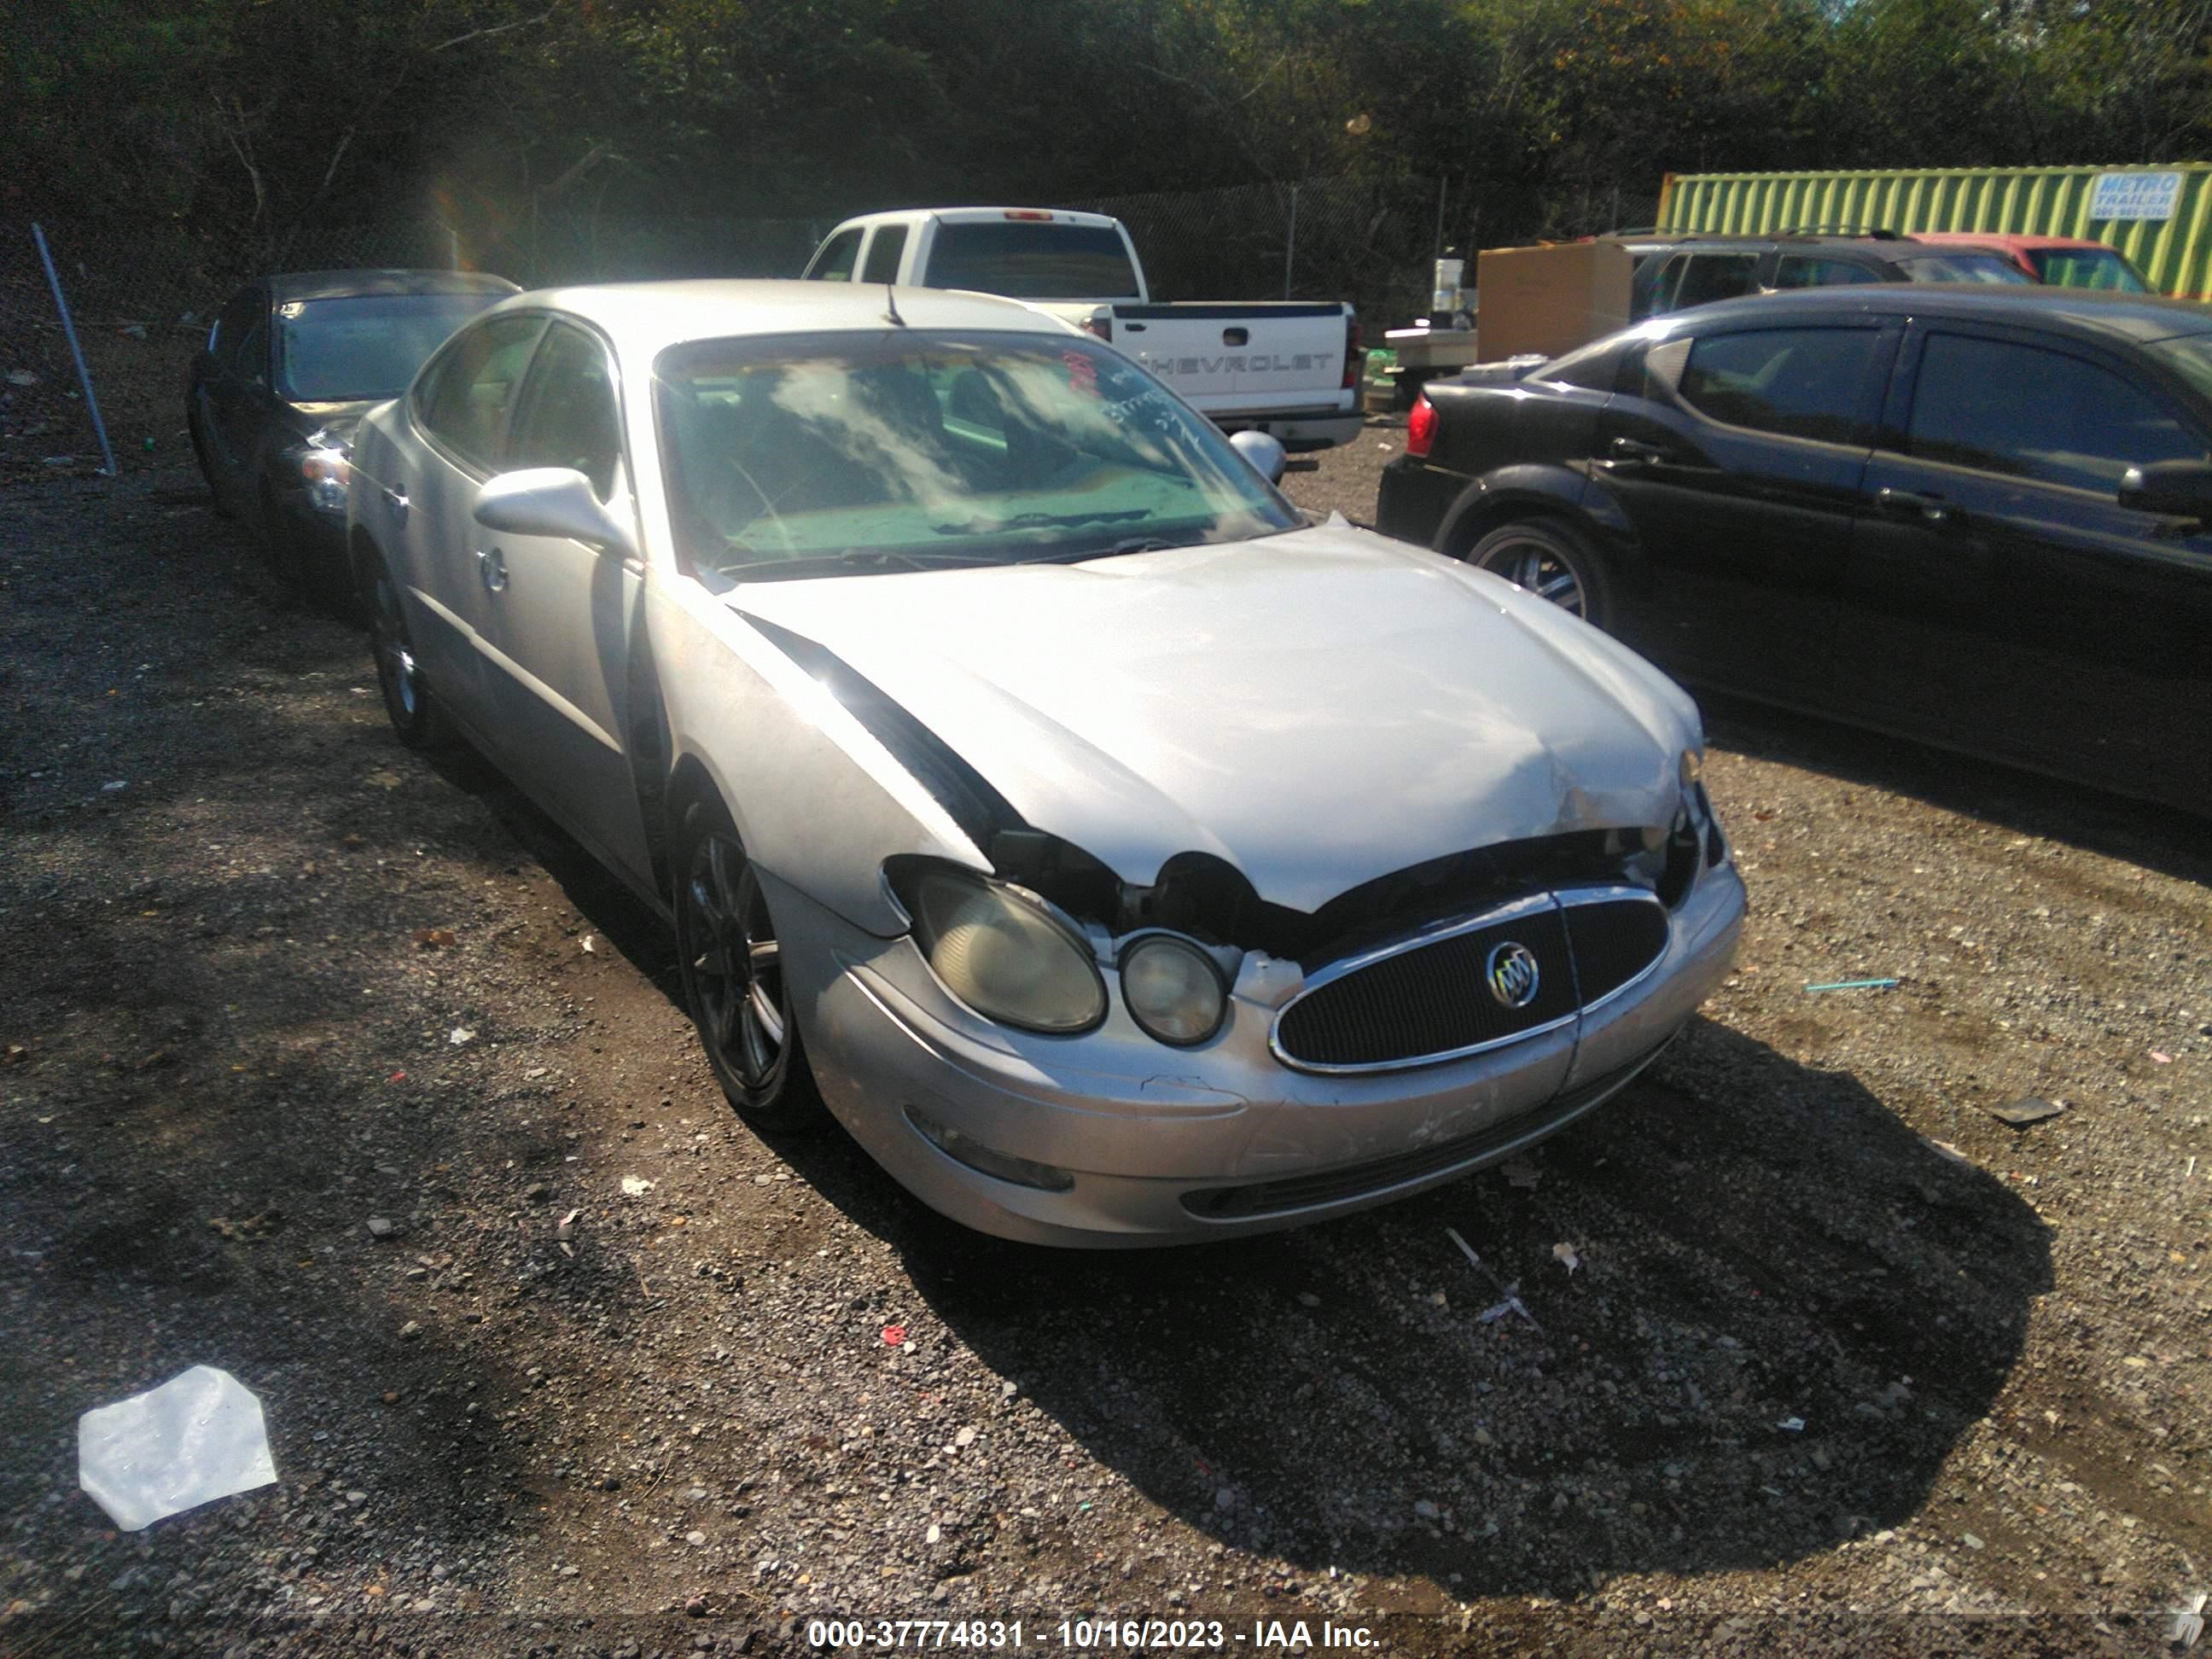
x: 1120, y: 859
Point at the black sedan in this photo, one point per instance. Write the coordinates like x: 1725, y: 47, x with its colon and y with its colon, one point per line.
x: 291, y: 364
x: 1978, y: 517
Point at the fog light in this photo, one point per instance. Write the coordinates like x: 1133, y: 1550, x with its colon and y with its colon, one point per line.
x: 1002, y: 1166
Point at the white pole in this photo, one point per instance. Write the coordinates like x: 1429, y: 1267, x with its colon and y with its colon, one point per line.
x: 68, y: 330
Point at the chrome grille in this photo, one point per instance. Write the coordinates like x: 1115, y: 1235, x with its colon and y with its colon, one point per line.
x: 1431, y: 996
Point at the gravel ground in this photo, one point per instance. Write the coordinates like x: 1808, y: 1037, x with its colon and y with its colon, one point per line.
x: 311, y: 1050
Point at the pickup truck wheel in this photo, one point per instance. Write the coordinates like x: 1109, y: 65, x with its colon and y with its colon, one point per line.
x: 1553, y: 562
x: 734, y: 984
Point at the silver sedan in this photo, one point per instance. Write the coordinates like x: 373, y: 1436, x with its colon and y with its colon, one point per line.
x: 1118, y: 857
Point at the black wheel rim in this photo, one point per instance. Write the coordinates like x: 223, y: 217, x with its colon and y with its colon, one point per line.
x: 737, y: 964
x: 395, y: 656
x: 1542, y: 569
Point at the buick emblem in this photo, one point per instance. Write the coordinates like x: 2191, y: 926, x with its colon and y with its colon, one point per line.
x: 1512, y: 975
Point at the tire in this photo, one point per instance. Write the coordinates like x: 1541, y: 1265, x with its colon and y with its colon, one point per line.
x: 733, y: 981
x: 415, y: 716
x: 1552, y: 561
x: 220, y: 508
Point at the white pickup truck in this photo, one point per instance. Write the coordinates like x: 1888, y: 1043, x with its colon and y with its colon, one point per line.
x: 1287, y: 368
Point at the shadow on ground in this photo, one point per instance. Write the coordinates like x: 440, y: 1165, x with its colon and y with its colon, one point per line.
x: 2162, y: 838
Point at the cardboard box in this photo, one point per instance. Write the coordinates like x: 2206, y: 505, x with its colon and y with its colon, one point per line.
x: 1550, y: 298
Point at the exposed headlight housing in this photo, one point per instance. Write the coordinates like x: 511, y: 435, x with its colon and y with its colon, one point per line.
x: 1173, y: 989
x: 327, y: 472
x: 1005, y: 956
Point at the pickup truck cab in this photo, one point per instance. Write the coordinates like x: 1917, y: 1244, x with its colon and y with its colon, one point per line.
x: 1288, y: 368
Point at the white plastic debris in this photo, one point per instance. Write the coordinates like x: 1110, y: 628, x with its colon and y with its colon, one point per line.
x: 1791, y: 1426
x: 590, y: 949
x: 459, y: 1034
x: 198, y: 1437
x: 2188, y: 1622
x: 1566, y: 1256
x: 637, y: 1186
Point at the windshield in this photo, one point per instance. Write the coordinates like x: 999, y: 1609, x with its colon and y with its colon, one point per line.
x: 2189, y: 355
x: 2088, y: 267
x: 1961, y: 268
x: 848, y: 453
x: 1032, y: 260
x: 367, y: 345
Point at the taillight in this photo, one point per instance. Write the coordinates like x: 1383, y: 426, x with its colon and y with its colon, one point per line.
x: 1421, y: 427
x: 1101, y: 324
x: 1033, y: 215
x: 1354, y: 360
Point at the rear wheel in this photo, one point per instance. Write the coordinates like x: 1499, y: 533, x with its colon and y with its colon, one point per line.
x: 1552, y: 561
x: 415, y: 713
x: 734, y: 983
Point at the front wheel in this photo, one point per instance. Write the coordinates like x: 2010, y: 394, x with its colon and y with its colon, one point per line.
x: 203, y: 453
x: 1552, y: 561
x: 415, y: 713
x: 734, y: 983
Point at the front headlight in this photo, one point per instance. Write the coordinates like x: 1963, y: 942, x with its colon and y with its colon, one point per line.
x: 327, y: 472
x: 1173, y: 989
x: 1005, y: 957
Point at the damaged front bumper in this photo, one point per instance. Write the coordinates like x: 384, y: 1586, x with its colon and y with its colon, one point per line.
x: 1111, y: 1139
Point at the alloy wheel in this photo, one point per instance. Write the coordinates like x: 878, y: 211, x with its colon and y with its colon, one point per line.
x: 737, y: 967
x: 395, y: 655
x: 1539, y: 566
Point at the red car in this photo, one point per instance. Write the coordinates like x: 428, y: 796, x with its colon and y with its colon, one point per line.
x: 2060, y: 261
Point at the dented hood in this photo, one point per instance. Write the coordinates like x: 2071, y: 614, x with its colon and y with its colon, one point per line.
x: 1318, y: 707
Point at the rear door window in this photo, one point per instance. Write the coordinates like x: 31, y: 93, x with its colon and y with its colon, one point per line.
x: 464, y: 399
x: 1794, y: 382
x: 834, y: 264
x: 2006, y: 406
x: 1033, y: 259
x: 1704, y: 277
x: 1811, y: 271
x: 884, y: 254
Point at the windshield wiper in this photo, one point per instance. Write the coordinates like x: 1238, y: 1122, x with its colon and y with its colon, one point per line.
x: 851, y: 559
x: 1037, y: 521
x: 1133, y: 545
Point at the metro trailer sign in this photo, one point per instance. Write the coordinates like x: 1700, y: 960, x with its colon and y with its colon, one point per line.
x: 2135, y: 195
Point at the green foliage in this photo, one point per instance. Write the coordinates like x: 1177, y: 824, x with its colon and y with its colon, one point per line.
x: 246, y: 118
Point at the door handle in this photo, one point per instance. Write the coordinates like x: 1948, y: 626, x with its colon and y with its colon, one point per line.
x: 492, y: 567
x: 1133, y: 328
x: 1631, y: 449
x: 1932, y: 509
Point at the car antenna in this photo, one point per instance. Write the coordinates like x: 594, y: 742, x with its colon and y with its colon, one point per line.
x: 891, y: 306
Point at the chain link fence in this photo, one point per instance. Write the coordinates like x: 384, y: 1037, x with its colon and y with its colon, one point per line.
x: 144, y: 295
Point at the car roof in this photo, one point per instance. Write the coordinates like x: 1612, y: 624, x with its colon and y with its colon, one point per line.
x: 647, y: 317
x: 2005, y: 240
x: 1730, y: 242
x: 2136, y: 317
x: 353, y: 284
x: 967, y: 215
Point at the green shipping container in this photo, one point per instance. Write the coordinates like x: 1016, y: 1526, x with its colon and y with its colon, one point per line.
x: 2160, y: 216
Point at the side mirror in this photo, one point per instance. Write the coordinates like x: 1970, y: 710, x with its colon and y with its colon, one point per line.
x: 1265, y: 452
x: 552, y: 501
x: 2174, y: 489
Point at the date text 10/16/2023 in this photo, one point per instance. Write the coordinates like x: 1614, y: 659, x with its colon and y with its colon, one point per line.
x: 1087, y: 1635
